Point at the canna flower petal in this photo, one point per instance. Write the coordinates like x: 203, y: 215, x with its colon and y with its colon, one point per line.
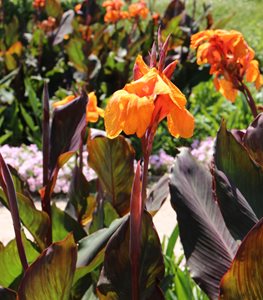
x: 93, y: 112
x: 180, y: 122
x: 252, y: 71
x: 149, y: 99
x: 129, y: 113
x: 64, y: 101
x: 226, y: 88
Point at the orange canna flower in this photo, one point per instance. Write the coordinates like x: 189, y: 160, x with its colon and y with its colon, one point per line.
x: 113, y: 5
x: 139, y: 9
x: 230, y: 57
x: 93, y: 112
x: 113, y: 11
x: 148, y: 99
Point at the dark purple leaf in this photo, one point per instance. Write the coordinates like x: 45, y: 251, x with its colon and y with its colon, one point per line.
x: 233, y: 159
x: 238, y: 215
x: 158, y: 194
x: 208, y: 246
x: 115, y: 279
x: 8, y: 187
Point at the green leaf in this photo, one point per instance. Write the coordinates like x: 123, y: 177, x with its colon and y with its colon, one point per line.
x: 233, y: 159
x: 172, y: 241
x: 112, y: 160
x: 115, y: 278
x: 208, y: 246
x: 62, y: 224
x: 34, y: 220
x: 51, y: 275
x: 10, y: 264
x: 53, y: 8
x: 244, y: 278
x: 76, y: 54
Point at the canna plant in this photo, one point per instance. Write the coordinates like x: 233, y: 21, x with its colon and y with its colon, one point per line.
x: 105, y: 235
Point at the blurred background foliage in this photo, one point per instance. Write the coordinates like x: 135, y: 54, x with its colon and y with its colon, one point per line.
x: 68, y: 44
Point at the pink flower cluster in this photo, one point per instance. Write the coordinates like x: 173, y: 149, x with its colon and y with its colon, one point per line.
x: 160, y: 163
x: 203, y: 150
x: 27, y: 160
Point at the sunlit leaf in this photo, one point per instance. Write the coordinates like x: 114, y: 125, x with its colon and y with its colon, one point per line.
x: 158, y: 193
x: 76, y: 54
x: 34, y: 220
x: 112, y: 160
x: 244, y: 278
x: 53, y: 8
x: 51, y: 275
x: 10, y: 264
x: 208, y: 246
x: 65, y: 27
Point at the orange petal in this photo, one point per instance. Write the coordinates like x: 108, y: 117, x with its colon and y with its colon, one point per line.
x: 16, y: 48
x: 227, y: 90
x: 64, y: 101
x: 140, y: 68
x: 252, y: 72
x: 129, y: 113
x: 180, y: 122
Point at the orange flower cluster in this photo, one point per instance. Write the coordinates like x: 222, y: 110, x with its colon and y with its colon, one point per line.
x: 147, y: 100
x: 230, y: 57
x: 48, y: 25
x: 93, y: 112
x: 115, y: 13
x: 39, y: 4
x: 138, y: 9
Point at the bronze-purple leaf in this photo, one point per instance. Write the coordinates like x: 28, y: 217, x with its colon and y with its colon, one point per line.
x: 208, y: 246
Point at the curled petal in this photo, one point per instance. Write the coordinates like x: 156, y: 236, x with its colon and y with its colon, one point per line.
x: 180, y: 122
x: 140, y: 68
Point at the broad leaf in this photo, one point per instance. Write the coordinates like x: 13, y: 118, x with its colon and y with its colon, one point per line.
x: 233, y: 159
x: 238, y: 215
x: 7, y: 294
x: 79, y: 190
x: 51, y: 275
x: 112, y: 160
x: 62, y: 224
x: 53, y: 8
x: 157, y: 195
x: 115, y: 279
x: 244, y: 278
x: 10, y: 264
x: 67, y: 124
x: 208, y: 246
x: 76, y: 54
x: 253, y: 139
x: 34, y: 220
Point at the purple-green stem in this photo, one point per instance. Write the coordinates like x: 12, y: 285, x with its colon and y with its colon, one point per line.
x: 45, y: 202
x: 8, y: 186
x: 250, y: 100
